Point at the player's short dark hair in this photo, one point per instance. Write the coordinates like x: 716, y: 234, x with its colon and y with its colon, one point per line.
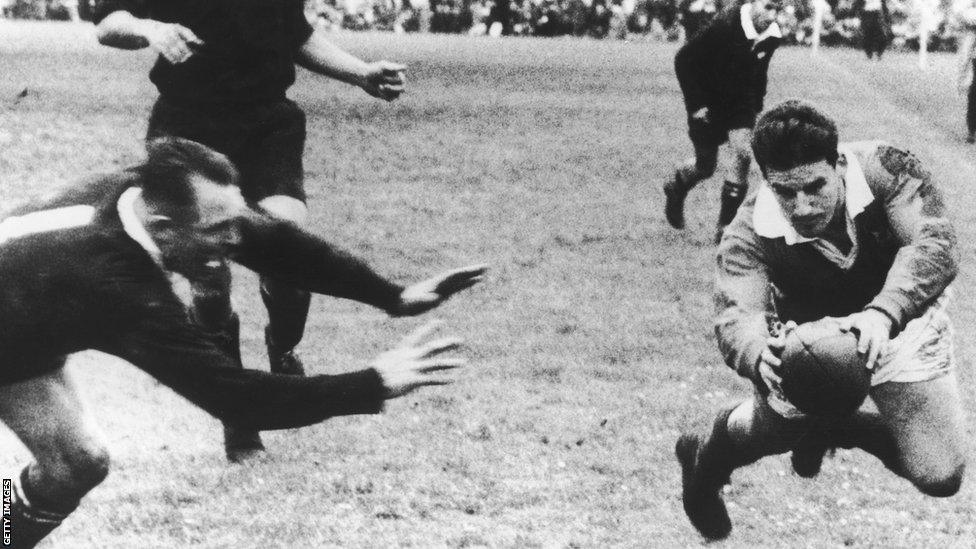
x: 791, y: 134
x: 170, y: 163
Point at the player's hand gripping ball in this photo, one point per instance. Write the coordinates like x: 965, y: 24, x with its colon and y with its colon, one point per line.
x: 823, y: 374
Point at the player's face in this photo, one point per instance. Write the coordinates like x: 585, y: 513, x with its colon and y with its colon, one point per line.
x: 198, y: 246
x: 810, y: 195
x: 764, y: 13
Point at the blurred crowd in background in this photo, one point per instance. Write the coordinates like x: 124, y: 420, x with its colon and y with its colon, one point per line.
x: 671, y: 20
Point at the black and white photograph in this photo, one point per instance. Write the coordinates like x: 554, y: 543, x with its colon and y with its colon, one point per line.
x: 487, y: 273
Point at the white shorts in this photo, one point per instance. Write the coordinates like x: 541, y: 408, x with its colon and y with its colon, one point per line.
x: 923, y: 351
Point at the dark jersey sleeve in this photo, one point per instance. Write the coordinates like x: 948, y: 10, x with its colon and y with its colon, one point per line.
x: 154, y: 333
x: 284, y: 251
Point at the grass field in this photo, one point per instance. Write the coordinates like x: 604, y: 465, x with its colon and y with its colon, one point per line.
x: 591, y: 343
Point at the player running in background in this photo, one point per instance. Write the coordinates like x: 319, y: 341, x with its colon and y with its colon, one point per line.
x: 856, y: 232
x: 722, y: 71
x: 91, y: 269
x: 223, y: 71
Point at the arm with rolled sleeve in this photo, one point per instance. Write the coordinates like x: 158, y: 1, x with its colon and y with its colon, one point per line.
x: 741, y: 300
x: 928, y: 258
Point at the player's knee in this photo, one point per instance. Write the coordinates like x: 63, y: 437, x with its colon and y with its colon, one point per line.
x: 77, y: 469
x: 88, y: 466
x: 942, y: 485
x: 285, y: 207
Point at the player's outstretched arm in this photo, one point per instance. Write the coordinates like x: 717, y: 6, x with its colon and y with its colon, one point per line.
x: 381, y: 79
x: 121, y: 29
x: 282, y: 250
x: 425, y: 295
x: 166, y: 346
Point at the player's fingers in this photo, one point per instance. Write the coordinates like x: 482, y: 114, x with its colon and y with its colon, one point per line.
x: 418, y: 335
x: 877, y: 345
x: 438, y: 380
x: 455, y: 285
x: 864, y: 341
x: 770, y: 360
x: 769, y: 376
x: 442, y: 345
x: 872, y: 358
x: 441, y: 364
x: 173, y: 55
x: 389, y: 68
x: 189, y: 36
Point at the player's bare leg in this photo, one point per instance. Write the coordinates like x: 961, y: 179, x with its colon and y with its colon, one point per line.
x: 686, y: 176
x: 70, y: 456
x: 926, y: 421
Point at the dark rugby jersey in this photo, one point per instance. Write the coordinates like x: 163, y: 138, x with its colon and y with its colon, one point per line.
x: 73, y: 279
x: 724, y: 70
x: 249, y: 51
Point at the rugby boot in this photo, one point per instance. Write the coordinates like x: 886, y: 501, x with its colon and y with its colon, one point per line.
x: 675, y: 191
x: 733, y: 194
x: 282, y: 361
x: 702, y: 477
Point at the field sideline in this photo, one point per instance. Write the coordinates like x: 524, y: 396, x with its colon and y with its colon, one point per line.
x: 591, y: 343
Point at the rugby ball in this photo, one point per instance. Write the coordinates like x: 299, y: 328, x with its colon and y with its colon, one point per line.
x: 822, y: 372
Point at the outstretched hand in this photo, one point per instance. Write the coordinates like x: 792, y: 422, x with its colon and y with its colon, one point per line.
x: 427, y: 294
x: 414, y: 364
x: 385, y: 80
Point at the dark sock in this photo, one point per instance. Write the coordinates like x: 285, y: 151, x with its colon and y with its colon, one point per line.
x: 287, y: 312
x: 733, y: 194
x: 719, y: 455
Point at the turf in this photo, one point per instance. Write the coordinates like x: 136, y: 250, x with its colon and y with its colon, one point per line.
x: 591, y: 343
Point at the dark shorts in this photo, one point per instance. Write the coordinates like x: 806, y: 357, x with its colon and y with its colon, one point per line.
x: 265, y: 141
x: 713, y: 133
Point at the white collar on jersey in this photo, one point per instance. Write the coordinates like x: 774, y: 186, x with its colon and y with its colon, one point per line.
x: 745, y: 17
x: 134, y: 228
x: 768, y: 218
